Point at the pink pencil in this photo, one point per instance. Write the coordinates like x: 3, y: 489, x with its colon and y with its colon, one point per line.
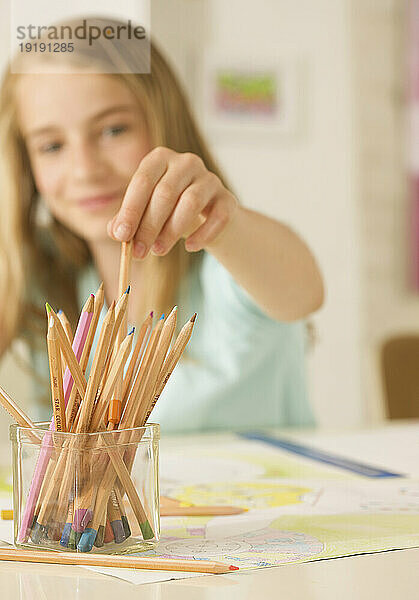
x: 47, y: 445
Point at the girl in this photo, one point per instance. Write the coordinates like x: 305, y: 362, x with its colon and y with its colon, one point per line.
x: 88, y: 161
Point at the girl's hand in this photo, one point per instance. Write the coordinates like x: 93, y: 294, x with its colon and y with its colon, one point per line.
x: 172, y: 196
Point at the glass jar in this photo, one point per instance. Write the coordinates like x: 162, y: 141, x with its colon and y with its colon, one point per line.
x: 93, y: 492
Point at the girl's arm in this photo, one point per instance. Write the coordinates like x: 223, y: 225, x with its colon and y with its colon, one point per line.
x: 272, y: 263
x: 173, y: 196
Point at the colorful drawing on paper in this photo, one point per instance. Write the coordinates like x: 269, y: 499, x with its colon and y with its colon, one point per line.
x: 264, y: 547
x: 297, y: 510
x: 248, y: 495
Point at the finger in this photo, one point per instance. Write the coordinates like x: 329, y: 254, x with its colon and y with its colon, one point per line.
x: 219, y: 216
x: 138, y: 193
x: 163, y: 201
x: 109, y: 227
x: 185, y: 217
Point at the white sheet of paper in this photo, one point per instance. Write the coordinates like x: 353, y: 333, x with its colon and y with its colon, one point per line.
x: 140, y: 577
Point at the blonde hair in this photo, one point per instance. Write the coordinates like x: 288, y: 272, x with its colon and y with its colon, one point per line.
x: 50, y: 259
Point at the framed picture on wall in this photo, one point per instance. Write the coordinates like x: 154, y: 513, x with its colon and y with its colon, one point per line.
x: 256, y: 98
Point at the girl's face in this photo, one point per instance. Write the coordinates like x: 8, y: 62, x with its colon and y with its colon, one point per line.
x: 85, y: 136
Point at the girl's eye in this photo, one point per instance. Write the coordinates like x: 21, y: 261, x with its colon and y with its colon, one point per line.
x: 50, y: 148
x: 116, y: 130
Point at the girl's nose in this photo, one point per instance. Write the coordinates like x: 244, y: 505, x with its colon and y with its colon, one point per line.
x: 87, y: 163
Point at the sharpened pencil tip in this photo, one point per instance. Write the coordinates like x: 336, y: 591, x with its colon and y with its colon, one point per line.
x: 173, y: 313
x: 93, y: 296
x: 193, y: 318
x: 87, y: 540
x: 74, y: 539
x: 48, y: 307
x: 127, y: 291
x: 233, y: 568
x: 60, y: 312
x: 81, y: 518
x: 99, y: 541
x: 132, y: 331
x: 118, y: 531
x: 152, y: 313
x: 146, y: 530
x: 65, y: 535
x: 38, y: 532
x: 127, y: 529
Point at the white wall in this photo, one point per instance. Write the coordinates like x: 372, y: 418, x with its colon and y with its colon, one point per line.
x: 391, y: 305
x: 306, y: 180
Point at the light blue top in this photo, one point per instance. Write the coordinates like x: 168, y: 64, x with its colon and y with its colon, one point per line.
x: 243, y: 370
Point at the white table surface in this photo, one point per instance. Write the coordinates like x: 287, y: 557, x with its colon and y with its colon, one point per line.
x: 385, y: 575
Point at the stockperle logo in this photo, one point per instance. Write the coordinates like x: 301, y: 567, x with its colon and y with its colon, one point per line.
x: 83, y: 31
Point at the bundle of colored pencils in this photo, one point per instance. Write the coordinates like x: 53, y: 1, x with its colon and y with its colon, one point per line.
x: 68, y: 501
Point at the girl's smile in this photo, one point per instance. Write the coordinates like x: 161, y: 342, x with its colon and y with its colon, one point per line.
x: 97, y: 202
